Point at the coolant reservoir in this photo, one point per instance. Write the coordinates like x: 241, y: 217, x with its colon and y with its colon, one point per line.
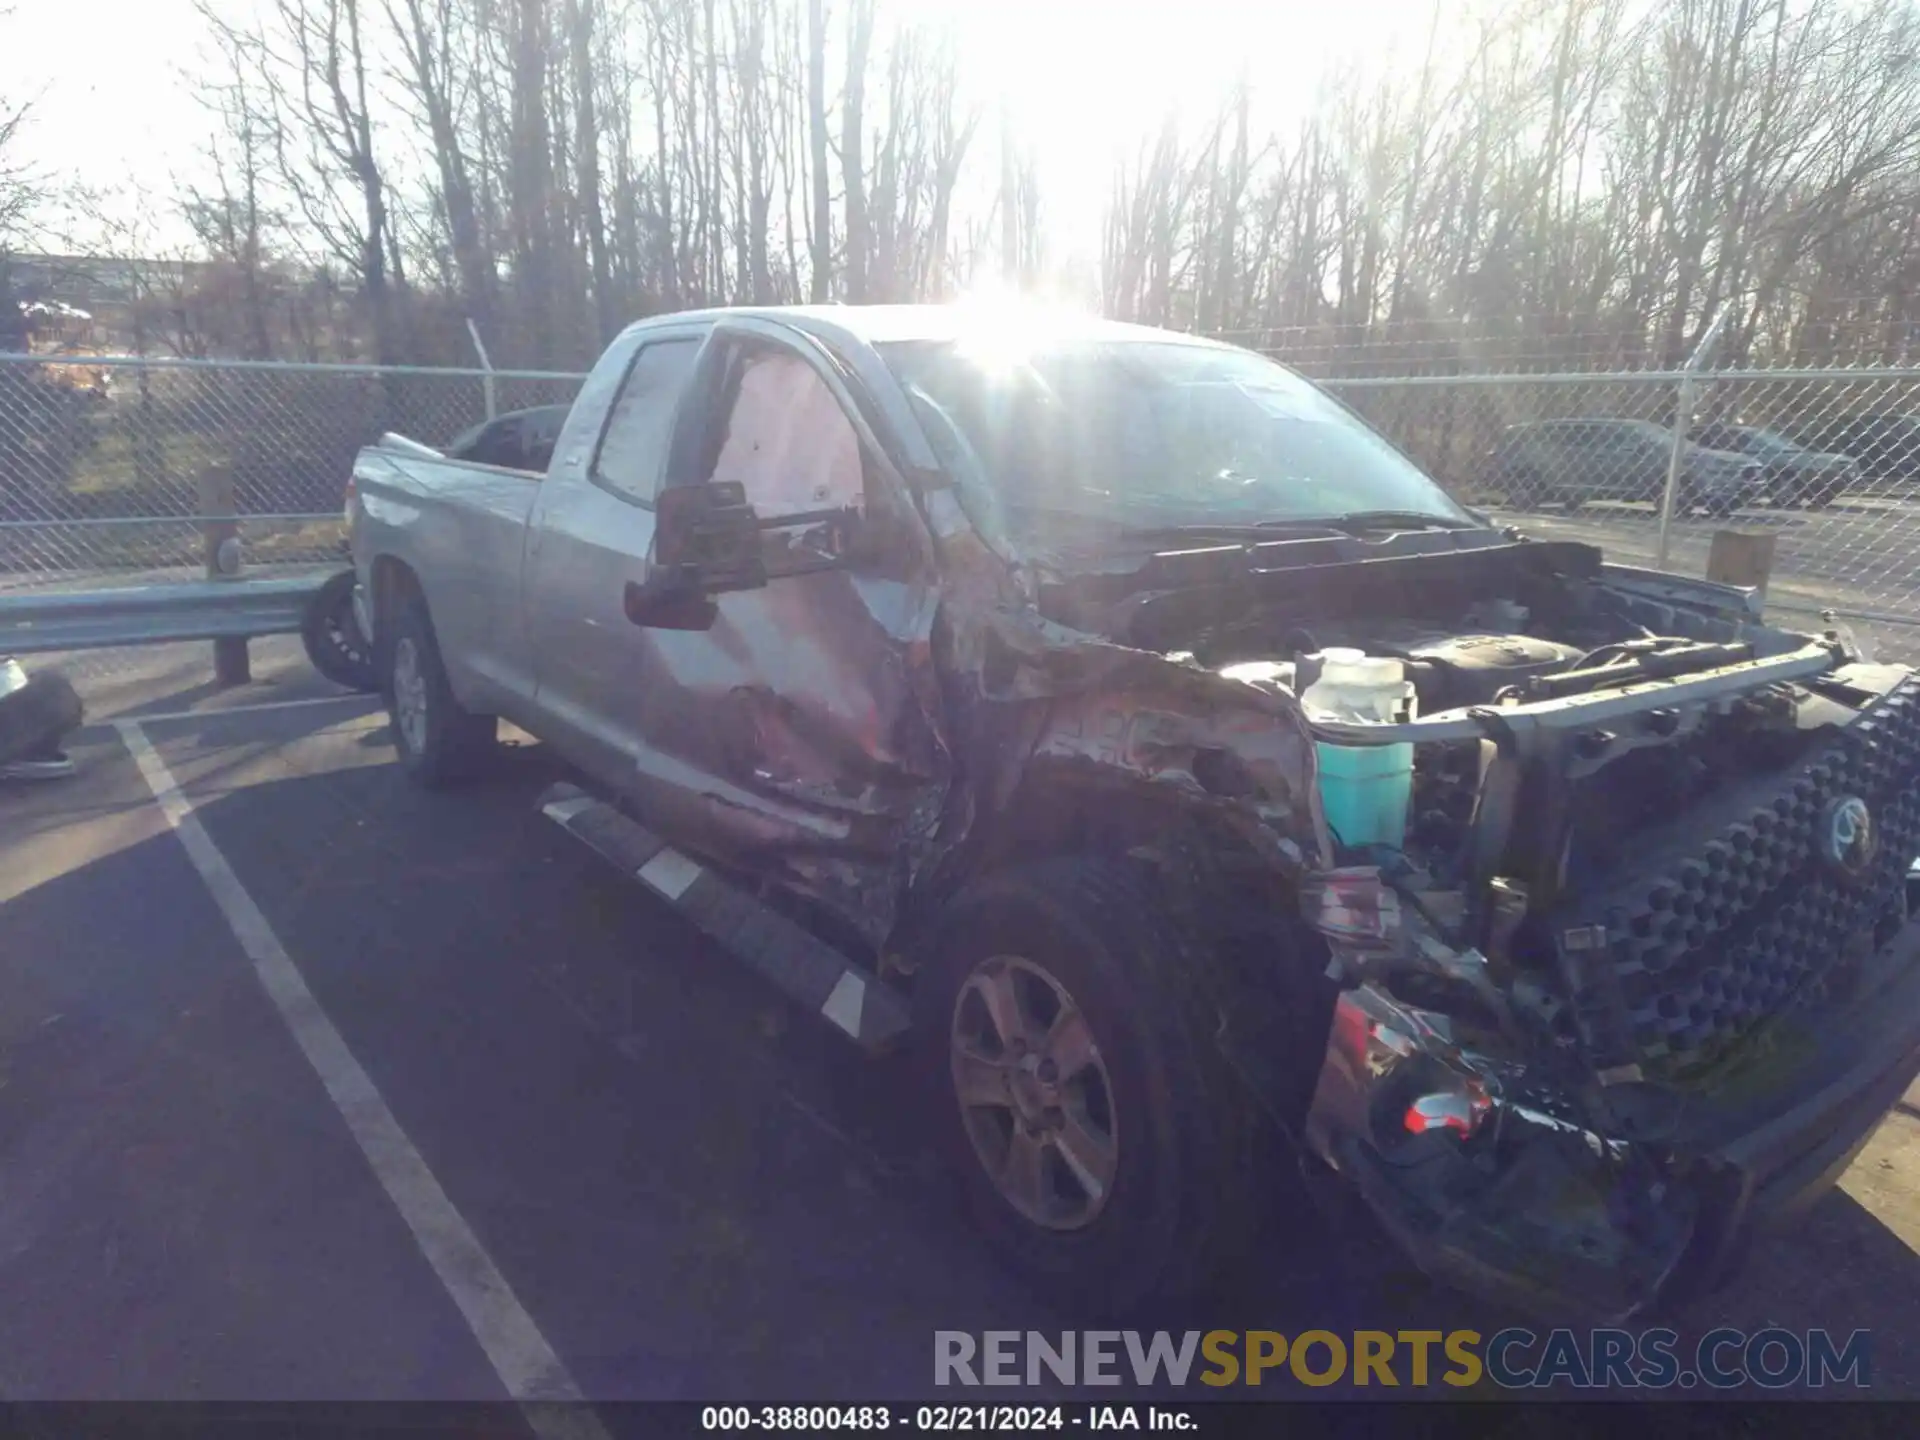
x: 1365, y: 789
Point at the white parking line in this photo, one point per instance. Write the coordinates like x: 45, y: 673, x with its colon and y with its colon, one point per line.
x: 526, y: 1364
x: 219, y: 712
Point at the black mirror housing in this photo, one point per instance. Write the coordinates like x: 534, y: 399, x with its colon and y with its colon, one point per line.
x: 707, y: 542
x: 667, y: 602
x: 710, y: 534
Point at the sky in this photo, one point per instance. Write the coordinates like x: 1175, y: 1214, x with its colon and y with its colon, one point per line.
x: 1082, y: 79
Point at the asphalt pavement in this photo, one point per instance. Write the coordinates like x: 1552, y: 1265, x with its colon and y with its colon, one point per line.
x: 596, y: 1125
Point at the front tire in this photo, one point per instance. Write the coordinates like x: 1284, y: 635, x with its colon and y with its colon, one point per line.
x: 439, y: 741
x: 1102, y: 1145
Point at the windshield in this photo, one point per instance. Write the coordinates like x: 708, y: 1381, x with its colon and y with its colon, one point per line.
x: 1145, y: 433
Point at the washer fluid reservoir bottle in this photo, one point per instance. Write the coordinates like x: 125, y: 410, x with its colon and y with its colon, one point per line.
x: 1366, y: 789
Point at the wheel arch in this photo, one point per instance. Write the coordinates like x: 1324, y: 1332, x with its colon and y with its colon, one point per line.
x: 1245, y: 943
x: 391, y: 579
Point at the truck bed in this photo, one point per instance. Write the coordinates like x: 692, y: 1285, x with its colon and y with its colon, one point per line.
x: 461, y: 527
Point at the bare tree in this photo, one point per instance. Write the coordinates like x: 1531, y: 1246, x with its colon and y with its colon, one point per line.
x: 317, y: 79
x: 436, y: 56
x: 21, y: 187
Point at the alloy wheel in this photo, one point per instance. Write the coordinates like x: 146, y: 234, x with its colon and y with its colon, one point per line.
x: 1035, y: 1096
x: 410, y: 694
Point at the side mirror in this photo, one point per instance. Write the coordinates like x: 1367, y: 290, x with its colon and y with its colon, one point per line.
x: 707, y: 542
x: 708, y: 538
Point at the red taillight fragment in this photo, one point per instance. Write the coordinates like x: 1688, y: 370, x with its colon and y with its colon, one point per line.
x: 1460, y: 1110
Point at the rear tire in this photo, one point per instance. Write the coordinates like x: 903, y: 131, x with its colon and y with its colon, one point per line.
x: 333, y: 639
x: 34, y: 717
x: 439, y: 741
x: 1120, y: 1182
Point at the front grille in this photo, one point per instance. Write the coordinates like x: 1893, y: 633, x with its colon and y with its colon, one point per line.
x: 1710, y: 937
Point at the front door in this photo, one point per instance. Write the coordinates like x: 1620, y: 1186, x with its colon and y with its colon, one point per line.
x: 798, y: 736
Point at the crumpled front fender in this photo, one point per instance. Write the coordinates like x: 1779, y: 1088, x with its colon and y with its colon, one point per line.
x: 1120, y: 714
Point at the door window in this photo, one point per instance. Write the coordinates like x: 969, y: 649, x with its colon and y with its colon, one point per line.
x: 788, y: 442
x: 635, y: 441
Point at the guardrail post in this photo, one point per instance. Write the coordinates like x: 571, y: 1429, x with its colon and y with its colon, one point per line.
x: 220, y: 549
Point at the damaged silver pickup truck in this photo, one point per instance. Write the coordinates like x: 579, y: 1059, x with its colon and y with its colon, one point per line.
x: 1115, y: 720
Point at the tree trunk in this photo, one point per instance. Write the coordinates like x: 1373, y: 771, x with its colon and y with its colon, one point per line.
x: 586, y: 161
x: 852, y: 149
x: 820, y: 285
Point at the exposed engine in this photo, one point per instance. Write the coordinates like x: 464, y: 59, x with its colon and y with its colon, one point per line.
x: 1632, y: 774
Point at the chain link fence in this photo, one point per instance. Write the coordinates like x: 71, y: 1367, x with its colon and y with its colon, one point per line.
x: 1828, y: 461
x: 115, y: 471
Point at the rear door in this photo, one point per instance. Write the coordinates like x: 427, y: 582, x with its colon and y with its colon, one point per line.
x: 798, y: 736
x: 590, y: 535
x: 1615, y: 461
x: 1643, y: 466
x: 1571, y: 455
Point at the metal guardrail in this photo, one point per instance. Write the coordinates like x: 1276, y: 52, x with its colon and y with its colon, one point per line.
x: 36, y: 624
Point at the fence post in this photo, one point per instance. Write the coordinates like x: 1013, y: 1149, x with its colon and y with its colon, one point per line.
x: 1682, y: 415
x: 1676, y: 457
x: 486, y: 380
x: 220, y: 551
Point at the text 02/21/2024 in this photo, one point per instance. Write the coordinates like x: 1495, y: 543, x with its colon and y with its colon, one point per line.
x: 943, y: 1419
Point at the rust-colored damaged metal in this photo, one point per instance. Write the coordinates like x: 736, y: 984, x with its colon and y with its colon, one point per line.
x: 1212, y: 742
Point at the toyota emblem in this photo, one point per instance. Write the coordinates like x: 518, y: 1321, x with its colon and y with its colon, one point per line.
x: 1848, y: 841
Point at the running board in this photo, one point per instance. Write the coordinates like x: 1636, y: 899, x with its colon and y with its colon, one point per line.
x: 808, y: 969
